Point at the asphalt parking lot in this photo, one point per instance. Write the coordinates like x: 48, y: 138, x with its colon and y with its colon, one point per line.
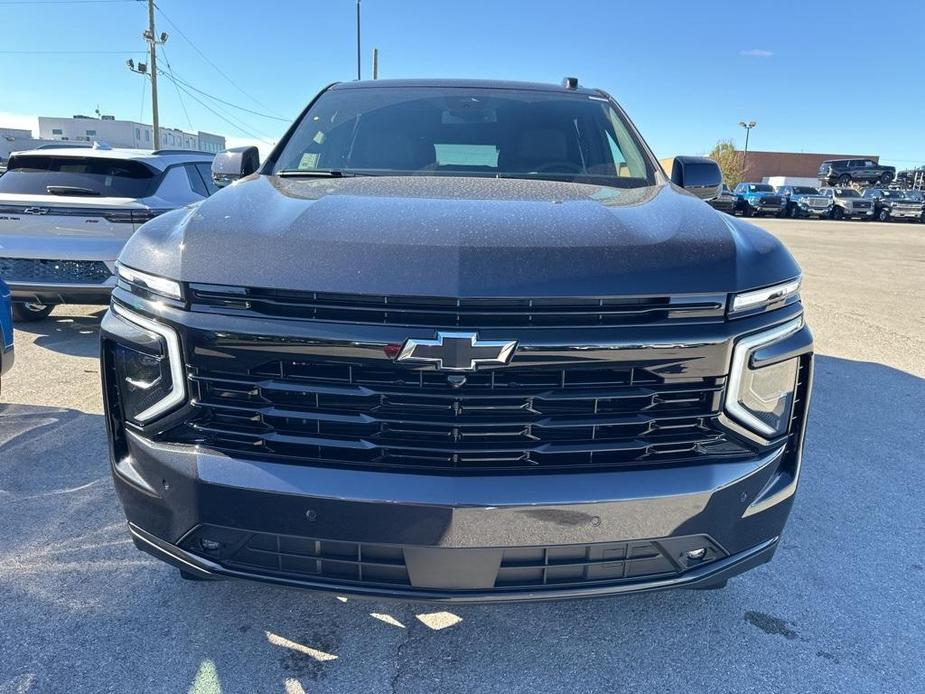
x: 841, y: 607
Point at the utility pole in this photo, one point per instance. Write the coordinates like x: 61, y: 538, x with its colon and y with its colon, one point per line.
x: 375, y: 63
x: 152, y: 42
x: 150, y: 69
x: 748, y: 128
x: 358, y: 39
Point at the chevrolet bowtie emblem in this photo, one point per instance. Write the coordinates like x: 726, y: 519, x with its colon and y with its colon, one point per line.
x: 457, y: 351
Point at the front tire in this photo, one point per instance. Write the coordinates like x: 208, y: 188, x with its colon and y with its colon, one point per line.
x: 794, y: 212
x: 886, y: 177
x: 844, y: 180
x: 29, y: 313
x: 837, y: 213
x: 883, y: 215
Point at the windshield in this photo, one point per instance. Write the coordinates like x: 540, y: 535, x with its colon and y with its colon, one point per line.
x: 455, y: 131
x: 760, y: 188
x: 33, y: 174
x: 847, y: 193
x: 805, y: 190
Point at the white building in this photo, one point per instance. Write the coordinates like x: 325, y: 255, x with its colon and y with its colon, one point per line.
x: 15, y: 134
x: 125, y: 133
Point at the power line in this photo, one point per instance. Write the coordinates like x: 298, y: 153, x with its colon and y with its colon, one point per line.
x: 236, y: 125
x: 177, y: 87
x: 62, y: 2
x: 206, y: 58
x: 133, y: 51
x: 175, y: 76
x: 144, y: 93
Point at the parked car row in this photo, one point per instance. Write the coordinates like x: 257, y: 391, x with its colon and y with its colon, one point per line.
x: 884, y: 204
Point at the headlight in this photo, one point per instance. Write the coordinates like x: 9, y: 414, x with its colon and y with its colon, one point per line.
x: 153, y: 283
x: 764, y: 298
x: 148, y: 366
x: 762, y: 398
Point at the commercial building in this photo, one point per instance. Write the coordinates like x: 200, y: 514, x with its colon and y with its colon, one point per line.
x: 760, y: 166
x: 125, y: 133
x: 793, y: 168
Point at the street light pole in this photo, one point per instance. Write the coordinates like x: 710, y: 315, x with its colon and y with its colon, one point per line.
x: 358, y: 40
x: 748, y: 128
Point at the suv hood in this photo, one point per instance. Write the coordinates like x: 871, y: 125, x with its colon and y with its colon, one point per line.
x: 450, y: 236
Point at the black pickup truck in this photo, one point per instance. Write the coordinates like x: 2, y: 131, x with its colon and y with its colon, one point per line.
x: 843, y: 172
x: 462, y: 341
x: 894, y: 204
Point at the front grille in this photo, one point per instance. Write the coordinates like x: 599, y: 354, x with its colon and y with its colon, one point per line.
x: 383, y: 565
x: 861, y: 205
x: 440, y: 312
x: 329, y: 412
x: 817, y: 202
x: 770, y: 200
x: 28, y: 270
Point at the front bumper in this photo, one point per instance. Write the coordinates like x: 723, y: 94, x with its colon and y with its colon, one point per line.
x: 906, y: 214
x: 457, y: 539
x: 849, y: 212
x: 814, y: 211
x: 62, y: 293
x: 763, y: 207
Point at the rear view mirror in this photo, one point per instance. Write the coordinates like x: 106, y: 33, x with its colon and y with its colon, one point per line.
x: 697, y: 175
x: 234, y: 163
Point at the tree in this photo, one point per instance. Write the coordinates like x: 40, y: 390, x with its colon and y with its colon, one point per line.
x: 729, y: 159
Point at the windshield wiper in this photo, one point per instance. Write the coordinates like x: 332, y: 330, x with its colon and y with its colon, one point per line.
x: 317, y: 173
x: 71, y: 190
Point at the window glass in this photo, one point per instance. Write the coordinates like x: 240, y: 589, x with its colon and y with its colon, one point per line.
x: 205, y: 172
x: 458, y: 131
x: 195, y: 181
x: 33, y: 174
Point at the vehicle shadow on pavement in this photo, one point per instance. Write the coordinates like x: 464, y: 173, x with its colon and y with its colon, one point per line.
x: 838, y: 609
x: 74, y: 335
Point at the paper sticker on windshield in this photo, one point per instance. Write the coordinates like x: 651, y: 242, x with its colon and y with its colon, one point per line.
x: 309, y: 161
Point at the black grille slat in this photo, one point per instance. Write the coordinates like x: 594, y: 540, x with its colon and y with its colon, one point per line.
x: 392, y: 417
x: 455, y: 312
x: 41, y: 271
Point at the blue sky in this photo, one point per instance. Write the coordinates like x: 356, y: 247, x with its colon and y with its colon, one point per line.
x: 815, y: 78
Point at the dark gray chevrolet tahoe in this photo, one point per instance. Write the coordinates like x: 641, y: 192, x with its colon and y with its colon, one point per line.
x: 463, y: 341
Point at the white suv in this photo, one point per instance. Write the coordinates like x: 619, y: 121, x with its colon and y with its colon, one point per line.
x: 65, y: 214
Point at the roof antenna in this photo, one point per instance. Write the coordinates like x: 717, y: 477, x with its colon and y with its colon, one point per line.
x: 570, y: 83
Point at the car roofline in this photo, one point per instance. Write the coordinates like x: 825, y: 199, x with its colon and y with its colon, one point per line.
x: 466, y: 84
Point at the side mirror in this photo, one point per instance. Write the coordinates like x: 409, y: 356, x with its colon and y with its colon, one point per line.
x: 697, y: 175
x: 234, y: 163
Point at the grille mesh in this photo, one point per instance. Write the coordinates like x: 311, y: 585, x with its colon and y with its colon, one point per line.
x: 29, y: 270
x: 511, y: 419
x: 373, y: 564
